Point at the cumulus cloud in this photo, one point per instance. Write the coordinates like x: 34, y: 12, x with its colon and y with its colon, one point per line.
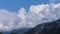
x: 36, y: 15
x: 6, y: 19
x: 39, y: 14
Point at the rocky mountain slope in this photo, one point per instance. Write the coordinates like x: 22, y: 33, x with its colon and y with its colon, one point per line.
x: 46, y: 28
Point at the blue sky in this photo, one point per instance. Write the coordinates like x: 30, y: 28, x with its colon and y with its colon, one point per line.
x: 15, y: 5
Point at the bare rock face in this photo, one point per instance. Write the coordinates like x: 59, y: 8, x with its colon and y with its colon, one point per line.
x: 46, y: 28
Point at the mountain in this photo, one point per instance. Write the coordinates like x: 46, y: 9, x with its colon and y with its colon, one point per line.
x: 16, y: 31
x: 46, y: 28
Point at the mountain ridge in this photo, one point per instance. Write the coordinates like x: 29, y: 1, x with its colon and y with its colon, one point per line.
x: 46, y: 28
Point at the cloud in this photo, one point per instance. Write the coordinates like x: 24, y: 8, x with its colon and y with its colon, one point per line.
x: 39, y: 14
x: 36, y: 15
x: 6, y: 19
x: 37, y: 8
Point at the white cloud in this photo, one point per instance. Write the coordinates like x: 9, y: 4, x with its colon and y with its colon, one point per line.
x: 38, y: 8
x: 1, y: 25
x: 39, y: 14
x: 6, y: 18
x: 36, y: 15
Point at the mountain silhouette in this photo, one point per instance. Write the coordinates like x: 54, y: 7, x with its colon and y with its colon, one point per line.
x: 46, y: 28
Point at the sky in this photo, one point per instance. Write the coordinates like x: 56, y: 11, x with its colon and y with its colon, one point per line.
x: 15, y: 5
x: 14, y: 15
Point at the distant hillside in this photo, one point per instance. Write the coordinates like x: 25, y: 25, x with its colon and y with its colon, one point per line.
x: 46, y: 28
